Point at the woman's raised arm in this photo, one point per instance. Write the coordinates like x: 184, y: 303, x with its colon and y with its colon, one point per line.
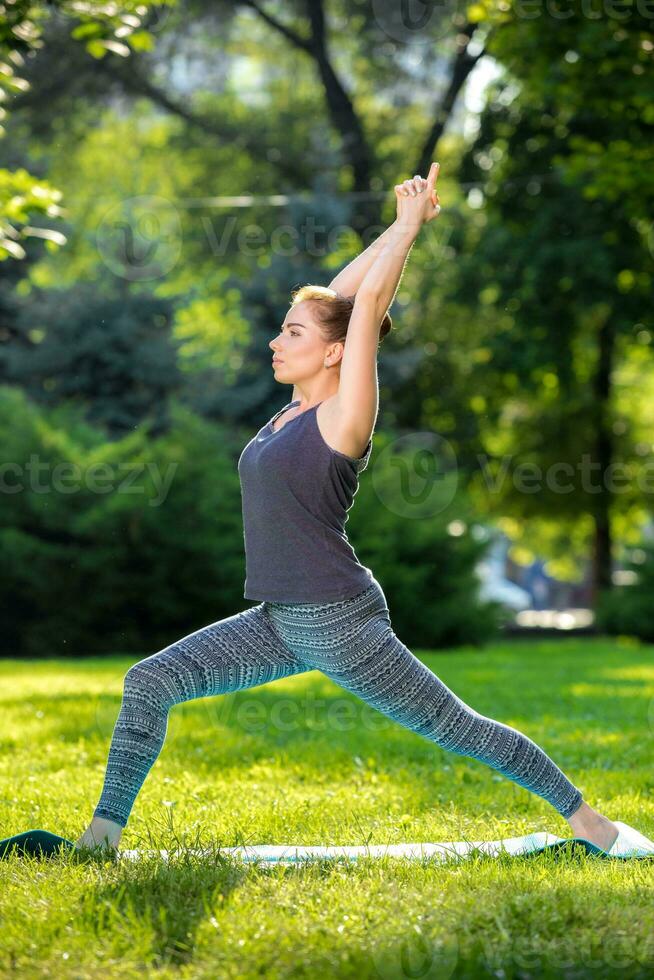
x: 349, y: 279
x: 417, y: 204
x: 358, y: 388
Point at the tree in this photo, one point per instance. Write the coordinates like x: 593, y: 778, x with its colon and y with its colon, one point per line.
x: 111, y: 354
x: 310, y: 36
x: 102, y: 27
x: 330, y: 120
x: 562, y: 261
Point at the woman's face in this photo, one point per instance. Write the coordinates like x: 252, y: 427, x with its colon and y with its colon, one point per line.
x: 298, y: 349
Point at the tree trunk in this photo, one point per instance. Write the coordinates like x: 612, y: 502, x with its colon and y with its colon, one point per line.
x: 602, y: 551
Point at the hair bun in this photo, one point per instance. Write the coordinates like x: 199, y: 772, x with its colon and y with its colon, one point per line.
x: 333, y: 310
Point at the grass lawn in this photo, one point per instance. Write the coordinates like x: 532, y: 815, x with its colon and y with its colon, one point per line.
x: 302, y: 761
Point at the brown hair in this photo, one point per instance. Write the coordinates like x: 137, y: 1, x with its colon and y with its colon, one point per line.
x: 333, y: 311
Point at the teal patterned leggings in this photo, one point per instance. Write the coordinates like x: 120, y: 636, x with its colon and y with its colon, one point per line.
x: 349, y: 640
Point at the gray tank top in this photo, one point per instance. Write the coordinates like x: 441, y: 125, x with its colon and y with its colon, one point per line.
x: 295, y: 493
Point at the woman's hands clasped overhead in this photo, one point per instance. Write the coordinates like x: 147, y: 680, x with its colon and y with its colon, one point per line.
x: 417, y: 199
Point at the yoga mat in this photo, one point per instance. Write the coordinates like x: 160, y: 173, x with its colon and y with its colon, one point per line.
x: 630, y: 844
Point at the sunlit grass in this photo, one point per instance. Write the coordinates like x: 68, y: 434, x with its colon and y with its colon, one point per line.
x: 302, y: 761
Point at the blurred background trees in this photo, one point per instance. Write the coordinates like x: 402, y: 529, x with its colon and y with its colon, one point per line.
x: 168, y: 174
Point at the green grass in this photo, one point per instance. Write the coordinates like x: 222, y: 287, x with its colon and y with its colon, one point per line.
x: 302, y: 761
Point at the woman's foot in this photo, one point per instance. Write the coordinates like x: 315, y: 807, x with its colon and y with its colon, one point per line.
x: 102, y: 833
x: 592, y: 826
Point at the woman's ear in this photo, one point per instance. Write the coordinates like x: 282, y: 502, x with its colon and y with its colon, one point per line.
x: 338, y: 351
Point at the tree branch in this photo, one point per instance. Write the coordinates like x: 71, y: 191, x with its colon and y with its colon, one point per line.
x: 461, y: 66
x: 286, y: 32
x: 135, y: 82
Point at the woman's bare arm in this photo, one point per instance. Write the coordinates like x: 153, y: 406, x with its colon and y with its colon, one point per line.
x: 417, y: 204
x: 349, y: 279
x: 357, y: 395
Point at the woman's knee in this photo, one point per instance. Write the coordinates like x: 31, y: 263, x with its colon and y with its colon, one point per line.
x: 145, y: 676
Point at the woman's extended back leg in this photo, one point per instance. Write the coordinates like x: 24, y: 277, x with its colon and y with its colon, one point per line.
x: 234, y: 653
x: 352, y: 642
x: 394, y: 681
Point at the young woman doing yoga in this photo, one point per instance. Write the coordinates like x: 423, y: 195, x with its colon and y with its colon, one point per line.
x: 318, y: 606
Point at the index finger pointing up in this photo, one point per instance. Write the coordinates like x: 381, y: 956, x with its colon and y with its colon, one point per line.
x: 433, y: 174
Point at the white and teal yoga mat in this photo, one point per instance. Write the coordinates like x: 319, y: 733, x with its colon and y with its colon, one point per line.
x: 629, y: 844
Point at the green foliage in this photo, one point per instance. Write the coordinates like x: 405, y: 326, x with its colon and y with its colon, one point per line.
x: 626, y: 610
x: 112, y: 354
x: 587, y: 74
x: 21, y: 197
x: 114, y: 546
x: 557, y: 265
x: 104, y: 27
x: 552, y: 247
x: 124, y: 545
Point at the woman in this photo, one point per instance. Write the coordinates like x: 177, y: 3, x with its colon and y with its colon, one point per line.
x: 319, y: 607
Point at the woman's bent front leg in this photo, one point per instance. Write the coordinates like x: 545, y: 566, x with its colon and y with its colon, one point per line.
x: 390, y: 678
x: 231, y: 654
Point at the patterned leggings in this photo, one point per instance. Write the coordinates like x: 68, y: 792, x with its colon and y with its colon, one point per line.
x: 349, y: 640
